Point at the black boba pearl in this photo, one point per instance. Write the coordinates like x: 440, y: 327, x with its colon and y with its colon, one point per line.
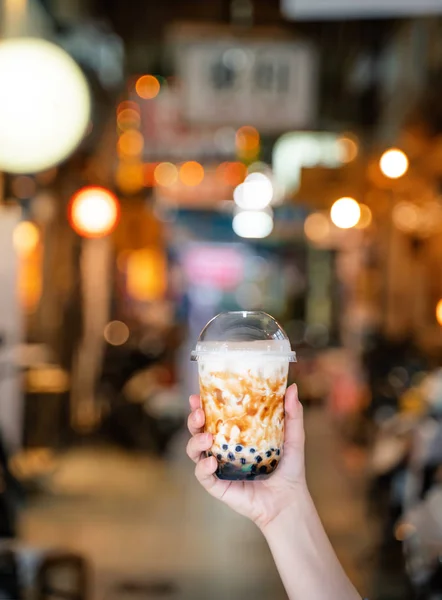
x: 272, y: 449
x: 258, y: 459
x: 238, y: 448
x: 225, y: 447
x: 254, y: 469
x: 263, y: 469
x: 273, y: 463
x: 269, y: 453
x: 231, y: 456
x: 219, y: 456
x: 209, y: 453
x: 243, y: 461
x: 278, y: 452
x: 252, y: 450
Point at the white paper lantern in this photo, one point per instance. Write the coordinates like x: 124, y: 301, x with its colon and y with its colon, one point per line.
x: 44, y: 105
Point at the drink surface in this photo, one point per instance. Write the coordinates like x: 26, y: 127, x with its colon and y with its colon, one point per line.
x: 242, y: 393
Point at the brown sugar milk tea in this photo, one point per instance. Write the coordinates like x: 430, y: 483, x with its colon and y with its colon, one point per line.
x: 243, y: 361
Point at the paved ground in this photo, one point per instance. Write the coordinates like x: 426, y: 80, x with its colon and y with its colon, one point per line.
x: 142, y: 521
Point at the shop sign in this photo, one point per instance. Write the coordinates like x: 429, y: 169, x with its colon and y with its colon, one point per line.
x: 314, y: 10
x: 270, y: 85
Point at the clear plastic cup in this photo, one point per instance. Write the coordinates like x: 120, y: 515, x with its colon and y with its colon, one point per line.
x: 243, y: 362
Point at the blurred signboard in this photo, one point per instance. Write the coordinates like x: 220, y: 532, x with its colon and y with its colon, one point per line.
x: 214, y: 265
x: 270, y: 85
x: 314, y: 10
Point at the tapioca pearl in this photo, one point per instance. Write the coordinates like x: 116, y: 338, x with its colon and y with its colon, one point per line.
x: 272, y: 449
x: 274, y: 463
x: 252, y: 450
x: 231, y: 456
x: 258, y: 459
x: 243, y: 461
x: 254, y: 469
x: 263, y: 469
x: 238, y: 448
x: 225, y: 447
x: 210, y: 453
x: 278, y: 452
x: 219, y: 456
x: 269, y: 453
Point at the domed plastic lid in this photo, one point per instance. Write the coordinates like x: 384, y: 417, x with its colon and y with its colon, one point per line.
x: 244, y: 331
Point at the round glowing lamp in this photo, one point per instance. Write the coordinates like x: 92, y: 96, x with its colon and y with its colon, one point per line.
x: 394, y: 163
x: 44, y: 105
x: 345, y: 213
x: 94, y: 212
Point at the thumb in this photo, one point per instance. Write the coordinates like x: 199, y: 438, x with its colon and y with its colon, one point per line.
x: 294, y: 432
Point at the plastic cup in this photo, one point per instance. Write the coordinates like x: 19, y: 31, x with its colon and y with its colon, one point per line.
x: 243, y: 362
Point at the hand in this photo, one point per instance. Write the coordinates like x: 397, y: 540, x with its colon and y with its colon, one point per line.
x: 260, y: 501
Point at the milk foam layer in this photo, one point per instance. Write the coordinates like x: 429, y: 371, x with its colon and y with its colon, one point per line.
x: 242, y: 392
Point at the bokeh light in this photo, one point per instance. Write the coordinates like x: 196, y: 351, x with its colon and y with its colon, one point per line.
x: 23, y: 187
x: 94, y: 212
x: 317, y: 227
x: 253, y: 224
x: 255, y: 193
x: 131, y: 143
x: 116, y: 333
x: 191, y: 173
x: 130, y: 176
x: 149, y: 173
x: 366, y: 217
x: 146, y: 274
x: 247, y: 141
x: 26, y: 237
x: 147, y: 87
x: 348, y: 148
x: 231, y: 173
x: 439, y: 312
x: 406, y: 216
x: 165, y: 174
x: 127, y: 104
x: 345, y: 213
x: 128, y: 119
x: 44, y: 105
x: 394, y: 163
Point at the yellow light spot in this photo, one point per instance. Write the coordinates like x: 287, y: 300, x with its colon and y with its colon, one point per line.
x: 191, y: 173
x: 128, y: 119
x: 147, y: 87
x: 406, y: 216
x: 247, y: 139
x: 94, y: 212
x: 146, y: 274
x: 165, y: 174
x: 231, y: 173
x: 365, y: 218
x: 26, y: 238
x: 345, y: 213
x: 130, y: 177
x: 394, y: 163
x: 317, y: 227
x: 348, y: 148
x: 439, y: 312
x: 116, y: 333
x: 130, y: 144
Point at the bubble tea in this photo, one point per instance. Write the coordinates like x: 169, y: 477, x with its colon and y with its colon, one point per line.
x: 243, y: 361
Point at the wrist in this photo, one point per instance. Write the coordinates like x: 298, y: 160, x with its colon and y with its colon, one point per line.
x: 297, y: 504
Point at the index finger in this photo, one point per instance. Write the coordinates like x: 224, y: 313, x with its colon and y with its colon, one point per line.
x: 195, y: 402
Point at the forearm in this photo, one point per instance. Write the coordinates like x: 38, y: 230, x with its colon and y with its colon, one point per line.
x: 305, y: 559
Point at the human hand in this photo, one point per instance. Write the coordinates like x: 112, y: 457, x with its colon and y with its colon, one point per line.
x: 260, y: 501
